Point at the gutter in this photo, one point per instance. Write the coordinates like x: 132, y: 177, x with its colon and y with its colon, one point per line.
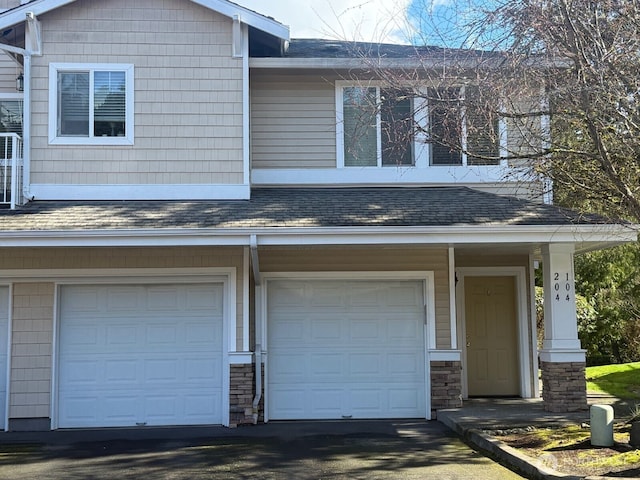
x: 255, y: 262
x: 486, y: 234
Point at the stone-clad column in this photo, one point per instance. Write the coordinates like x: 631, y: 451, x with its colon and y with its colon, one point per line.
x: 562, y: 360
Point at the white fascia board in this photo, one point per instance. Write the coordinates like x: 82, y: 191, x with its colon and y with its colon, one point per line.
x: 256, y: 20
x: 102, y: 192
x: 599, y: 235
x: 17, y: 15
x: 223, y: 7
x: 359, y: 176
x: 359, y: 63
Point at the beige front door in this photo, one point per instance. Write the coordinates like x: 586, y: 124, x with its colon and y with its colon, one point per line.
x: 491, y: 329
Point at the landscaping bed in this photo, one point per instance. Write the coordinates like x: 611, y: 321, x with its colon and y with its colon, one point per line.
x: 567, y: 449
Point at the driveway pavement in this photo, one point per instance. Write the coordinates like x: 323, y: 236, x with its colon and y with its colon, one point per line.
x: 307, y: 450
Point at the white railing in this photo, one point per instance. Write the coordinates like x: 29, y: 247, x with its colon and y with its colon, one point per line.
x: 11, y: 169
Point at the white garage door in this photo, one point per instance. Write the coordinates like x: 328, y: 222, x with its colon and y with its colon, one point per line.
x: 140, y: 355
x: 4, y: 332
x: 345, y: 349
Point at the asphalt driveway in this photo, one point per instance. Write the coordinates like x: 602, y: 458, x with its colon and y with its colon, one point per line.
x: 309, y: 450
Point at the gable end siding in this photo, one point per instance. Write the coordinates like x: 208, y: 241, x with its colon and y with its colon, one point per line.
x: 188, y: 94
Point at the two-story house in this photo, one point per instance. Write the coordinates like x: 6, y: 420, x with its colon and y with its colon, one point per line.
x: 191, y: 200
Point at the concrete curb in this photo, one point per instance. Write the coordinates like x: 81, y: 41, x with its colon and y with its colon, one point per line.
x: 532, y: 468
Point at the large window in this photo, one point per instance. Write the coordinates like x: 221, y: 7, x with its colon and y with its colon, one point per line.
x: 91, y: 104
x: 463, y: 127
x: 379, y: 127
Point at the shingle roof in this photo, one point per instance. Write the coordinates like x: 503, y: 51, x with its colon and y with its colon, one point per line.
x: 298, y: 207
x: 322, y: 48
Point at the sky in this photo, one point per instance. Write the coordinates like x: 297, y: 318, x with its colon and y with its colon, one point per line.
x: 417, y: 22
x: 366, y: 20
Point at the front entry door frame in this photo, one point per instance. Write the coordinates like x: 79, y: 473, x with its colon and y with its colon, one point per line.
x: 526, y: 352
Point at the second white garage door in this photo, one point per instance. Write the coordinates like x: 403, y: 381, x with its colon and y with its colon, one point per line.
x: 140, y: 355
x: 345, y: 349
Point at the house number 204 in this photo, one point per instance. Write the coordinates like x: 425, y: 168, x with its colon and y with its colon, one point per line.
x: 562, y: 286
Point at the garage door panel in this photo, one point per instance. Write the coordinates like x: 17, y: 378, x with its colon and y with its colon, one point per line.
x: 288, y: 403
x: 365, y: 296
x: 323, y: 329
x: 326, y: 296
x: 404, y: 399
x: 326, y: 364
x: 203, y: 370
x: 328, y: 401
x: 366, y: 330
x: 200, y: 334
x: 165, y: 335
x: 364, y: 364
x: 121, y: 372
x: 345, y: 353
x: 158, y: 365
x: 404, y: 364
x: 121, y: 335
x: 122, y: 299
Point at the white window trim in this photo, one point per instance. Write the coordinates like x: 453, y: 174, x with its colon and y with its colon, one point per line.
x: 422, y: 150
x: 54, y: 139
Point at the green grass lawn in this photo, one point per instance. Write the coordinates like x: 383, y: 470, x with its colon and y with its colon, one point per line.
x: 621, y: 381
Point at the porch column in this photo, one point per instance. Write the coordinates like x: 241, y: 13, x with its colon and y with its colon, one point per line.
x: 562, y: 360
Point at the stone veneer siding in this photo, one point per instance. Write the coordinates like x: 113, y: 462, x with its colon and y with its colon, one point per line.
x: 446, y: 385
x: 564, y: 388
x: 241, y: 392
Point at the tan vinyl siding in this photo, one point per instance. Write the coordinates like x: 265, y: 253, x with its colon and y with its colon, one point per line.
x: 9, y: 71
x: 188, y: 93
x: 366, y: 259
x: 478, y: 259
x: 33, y: 306
x: 293, y: 121
x: 31, y: 350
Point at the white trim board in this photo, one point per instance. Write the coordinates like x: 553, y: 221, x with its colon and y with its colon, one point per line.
x: 47, y: 191
x: 7, y: 399
x: 434, y: 175
x: 585, y: 237
x: 525, y: 360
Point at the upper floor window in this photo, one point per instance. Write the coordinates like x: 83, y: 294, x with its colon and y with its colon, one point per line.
x: 380, y: 127
x: 91, y: 104
x: 463, y: 127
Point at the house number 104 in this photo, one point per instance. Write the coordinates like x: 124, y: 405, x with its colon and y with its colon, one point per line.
x: 562, y: 286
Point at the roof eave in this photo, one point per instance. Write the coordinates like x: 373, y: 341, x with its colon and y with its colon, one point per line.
x: 586, y: 237
x: 223, y: 7
x: 256, y: 20
x: 360, y: 63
